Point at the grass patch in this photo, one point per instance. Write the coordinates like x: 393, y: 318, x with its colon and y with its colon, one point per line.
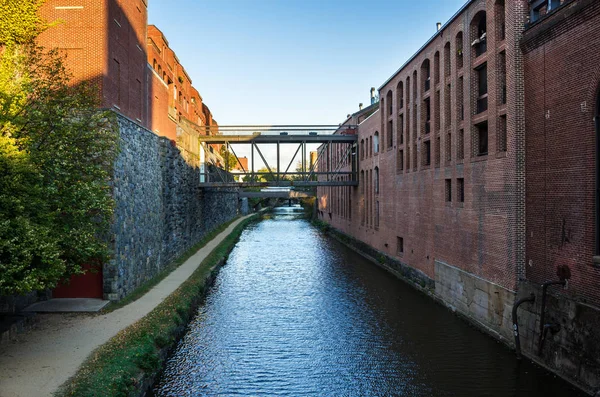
x: 134, y: 355
x: 148, y: 285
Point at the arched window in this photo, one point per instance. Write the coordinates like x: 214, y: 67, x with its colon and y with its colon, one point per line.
x: 447, y: 59
x: 362, y: 149
x: 478, y: 32
x: 390, y: 106
x: 376, y: 180
x: 376, y: 142
x: 154, y: 64
x: 436, y: 68
x: 426, y: 75
x: 459, y: 50
x: 408, y: 90
x: 400, y: 96
x: 159, y: 70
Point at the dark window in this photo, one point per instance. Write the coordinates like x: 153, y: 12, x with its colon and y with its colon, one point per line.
x: 390, y: 134
x: 400, y: 129
x: 400, y: 160
x: 459, y: 50
x: 448, y: 147
x: 447, y: 59
x: 482, y: 88
x: 376, y: 180
x: 481, y: 139
x: 448, y: 190
x: 479, y: 37
x: 427, y: 156
x: 399, y: 245
x: 460, y: 190
x: 427, y: 115
x: 460, y: 145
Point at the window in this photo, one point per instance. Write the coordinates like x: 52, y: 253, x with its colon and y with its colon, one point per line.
x: 460, y: 190
x: 415, y: 87
x: 448, y: 147
x: 459, y: 50
x: 437, y: 151
x: 501, y: 133
x: 362, y: 149
x: 480, y: 139
x: 415, y: 156
x: 400, y: 136
x: 400, y: 96
x: 426, y: 152
x: 377, y: 214
x: 390, y: 106
x: 426, y: 75
x: 400, y: 161
x: 460, y: 145
x: 460, y: 105
x: 376, y: 180
x: 154, y: 64
x: 447, y: 104
x: 540, y: 8
x: 479, y: 34
x: 407, y: 90
x: 390, y: 134
x: 447, y: 59
x: 448, y: 190
x: 482, y: 89
x: 427, y: 111
x: 376, y: 142
x: 436, y: 68
x: 399, y: 246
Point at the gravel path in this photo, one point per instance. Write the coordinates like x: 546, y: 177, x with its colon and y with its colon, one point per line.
x: 47, y: 356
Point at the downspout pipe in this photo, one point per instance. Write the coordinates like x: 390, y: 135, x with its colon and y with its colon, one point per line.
x: 531, y: 299
x: 543, y: 311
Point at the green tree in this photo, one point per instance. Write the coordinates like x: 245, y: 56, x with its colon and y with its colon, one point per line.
x: 56, y: 156
x: 230, y: 162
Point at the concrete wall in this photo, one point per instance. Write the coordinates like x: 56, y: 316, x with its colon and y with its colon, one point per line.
x: 160, y: 210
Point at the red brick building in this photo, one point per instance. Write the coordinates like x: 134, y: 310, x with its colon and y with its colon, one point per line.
x: 562, y: 90
x: 103, y: 41
x: 109, y: 43
x: 441, y: 163
x: 478, y: 174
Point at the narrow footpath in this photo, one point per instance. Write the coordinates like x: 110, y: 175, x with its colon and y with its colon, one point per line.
x: 47, y: 356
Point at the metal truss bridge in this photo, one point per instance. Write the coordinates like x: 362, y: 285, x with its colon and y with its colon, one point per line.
x: 337, y: 151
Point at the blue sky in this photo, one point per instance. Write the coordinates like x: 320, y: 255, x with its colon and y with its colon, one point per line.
x: 294, y: 61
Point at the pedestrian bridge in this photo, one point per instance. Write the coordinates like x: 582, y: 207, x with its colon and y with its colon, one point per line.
x: 337, y: 148
x: 279, y: 192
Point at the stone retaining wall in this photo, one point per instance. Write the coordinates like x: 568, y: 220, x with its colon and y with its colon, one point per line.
x: 161, y: 211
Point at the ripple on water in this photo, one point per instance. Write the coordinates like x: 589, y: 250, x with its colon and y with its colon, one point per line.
x: 293, y: 313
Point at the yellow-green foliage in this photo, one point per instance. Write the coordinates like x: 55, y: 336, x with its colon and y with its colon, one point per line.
x: 20, y: 21
x: 56, y: 156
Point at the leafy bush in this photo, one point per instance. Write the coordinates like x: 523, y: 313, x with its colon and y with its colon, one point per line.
x: 56, y: 156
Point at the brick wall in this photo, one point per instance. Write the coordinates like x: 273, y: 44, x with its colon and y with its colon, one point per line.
x: 562, y: 69
x: 479, y: 235
x: 104, y: 44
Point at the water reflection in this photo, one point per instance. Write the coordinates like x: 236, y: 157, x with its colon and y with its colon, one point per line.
x: 296, y: 314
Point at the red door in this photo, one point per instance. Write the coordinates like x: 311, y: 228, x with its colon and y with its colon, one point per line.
x: 88, y: 285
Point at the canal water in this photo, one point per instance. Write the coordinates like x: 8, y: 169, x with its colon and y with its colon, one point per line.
x: 295, y: 313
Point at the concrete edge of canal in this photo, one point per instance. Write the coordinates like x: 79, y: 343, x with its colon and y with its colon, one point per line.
x: 445, y: 296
